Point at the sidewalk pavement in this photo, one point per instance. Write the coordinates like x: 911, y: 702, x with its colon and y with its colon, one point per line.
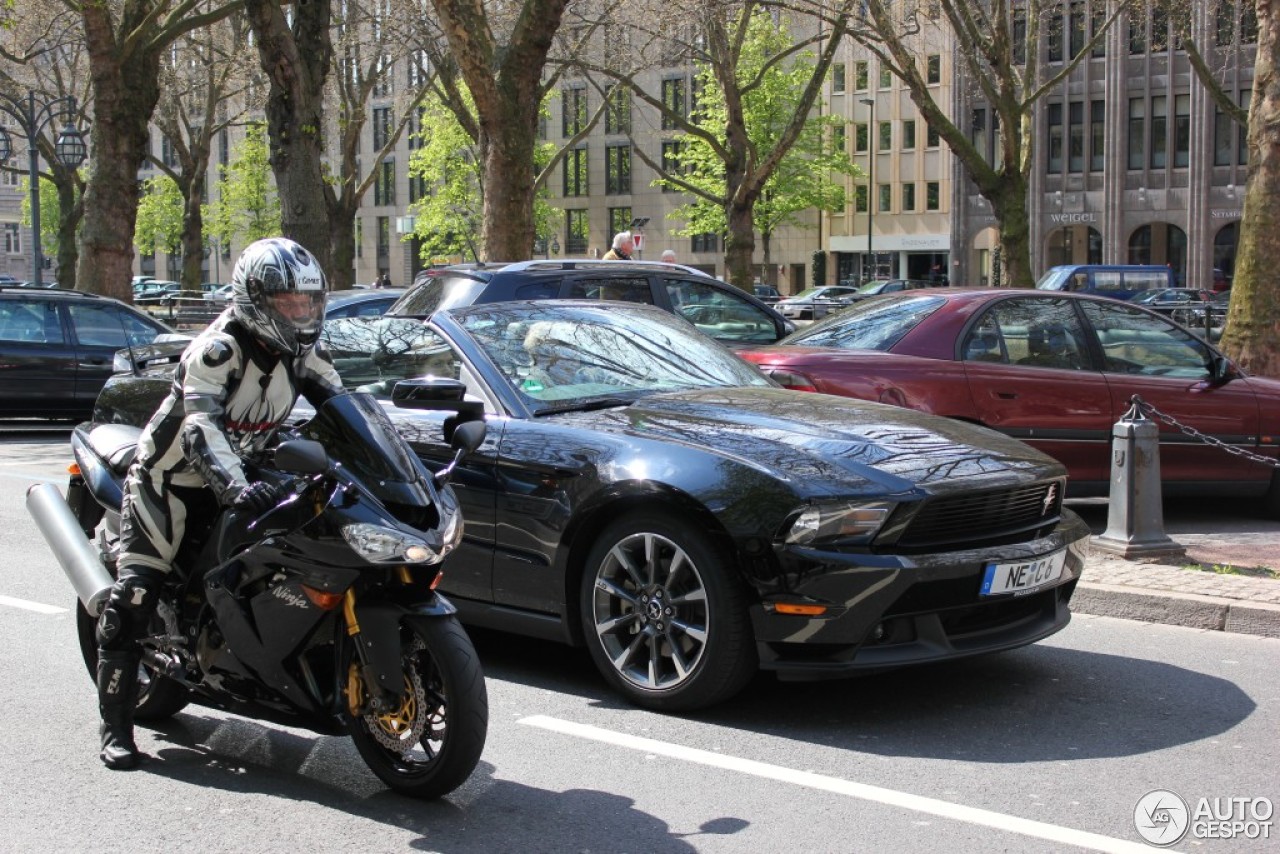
x: 1226, y: 582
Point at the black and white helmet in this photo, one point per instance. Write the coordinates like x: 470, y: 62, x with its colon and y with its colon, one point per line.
x: 278, y: 294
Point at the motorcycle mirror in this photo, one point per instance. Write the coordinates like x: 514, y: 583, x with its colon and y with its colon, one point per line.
x: 468, y: 436
x: 301, y: 456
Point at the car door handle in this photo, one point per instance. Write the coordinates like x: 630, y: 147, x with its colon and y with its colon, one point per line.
x: 1007, y: 395
x: 94, y: 362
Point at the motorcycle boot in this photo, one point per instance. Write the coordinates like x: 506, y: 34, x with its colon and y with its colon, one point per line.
x: 117, y: 696
x: 123, y: 623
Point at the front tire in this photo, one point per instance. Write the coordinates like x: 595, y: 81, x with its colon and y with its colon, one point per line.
x: 430, y: 745
x: 665, y: 618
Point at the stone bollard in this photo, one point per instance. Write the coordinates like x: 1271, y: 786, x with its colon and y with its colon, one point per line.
x: 1135, y: 514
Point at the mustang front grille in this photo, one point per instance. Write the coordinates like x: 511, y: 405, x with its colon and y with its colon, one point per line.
x: 991, y: 517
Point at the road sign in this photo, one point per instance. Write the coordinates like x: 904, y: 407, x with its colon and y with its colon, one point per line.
x: 639, y: 241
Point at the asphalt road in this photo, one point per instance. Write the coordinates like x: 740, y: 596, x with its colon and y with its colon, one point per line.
x: 1048, y: 748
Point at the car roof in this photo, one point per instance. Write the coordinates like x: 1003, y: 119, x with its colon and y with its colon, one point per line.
x: 362, y: 295
x: 536, y: 266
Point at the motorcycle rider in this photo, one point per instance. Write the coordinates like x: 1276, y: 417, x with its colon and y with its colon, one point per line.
x: 237, y: 381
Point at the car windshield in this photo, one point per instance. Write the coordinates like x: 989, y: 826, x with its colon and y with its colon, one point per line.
x: 436, y: 293
x: 1054, y: 279
x: 872, y: 324
x: 560, y: 356
x: 872, y: 287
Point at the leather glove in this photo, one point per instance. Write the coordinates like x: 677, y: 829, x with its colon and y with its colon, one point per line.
x: 257, y: 498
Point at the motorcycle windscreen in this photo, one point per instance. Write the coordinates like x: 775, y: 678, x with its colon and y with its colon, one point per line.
x: 357, y: 433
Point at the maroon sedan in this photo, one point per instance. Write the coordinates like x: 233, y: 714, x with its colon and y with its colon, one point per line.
x: 1053, y: 369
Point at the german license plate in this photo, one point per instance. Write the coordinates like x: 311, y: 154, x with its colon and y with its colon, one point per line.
x: 1024, y: 576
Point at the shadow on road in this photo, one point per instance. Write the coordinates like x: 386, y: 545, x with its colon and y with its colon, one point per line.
x: 246, y: 757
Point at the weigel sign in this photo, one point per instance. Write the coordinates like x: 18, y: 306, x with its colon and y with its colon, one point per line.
x: 1072, y: 218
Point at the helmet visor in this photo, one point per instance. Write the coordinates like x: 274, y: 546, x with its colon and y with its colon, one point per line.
x: 303, y: 310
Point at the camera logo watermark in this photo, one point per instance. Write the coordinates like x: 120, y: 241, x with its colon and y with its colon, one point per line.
x: 1163, y: 818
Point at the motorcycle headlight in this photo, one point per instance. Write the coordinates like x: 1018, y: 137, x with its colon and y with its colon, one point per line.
x: 839, y: 524
x: 377, y: 544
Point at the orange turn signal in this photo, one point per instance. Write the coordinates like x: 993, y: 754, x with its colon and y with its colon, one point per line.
x: 322, y: 599
x: 800, y: 610
x: 74, y: 469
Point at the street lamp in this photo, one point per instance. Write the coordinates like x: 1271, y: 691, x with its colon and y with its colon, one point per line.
x: 32, y: 117
x: 871, y: 175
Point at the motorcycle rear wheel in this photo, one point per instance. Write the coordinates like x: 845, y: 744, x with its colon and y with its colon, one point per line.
x: 431, y: 744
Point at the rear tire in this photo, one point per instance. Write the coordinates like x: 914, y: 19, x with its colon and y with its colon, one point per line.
x: 1271, y: 500
x: 429, y: 746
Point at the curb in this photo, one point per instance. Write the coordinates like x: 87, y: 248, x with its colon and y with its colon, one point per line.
x: 1193, y: 611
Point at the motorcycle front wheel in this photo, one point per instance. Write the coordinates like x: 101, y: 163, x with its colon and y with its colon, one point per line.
x: 430, y: 744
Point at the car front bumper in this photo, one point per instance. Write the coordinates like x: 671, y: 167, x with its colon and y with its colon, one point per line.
x: 886, y: 610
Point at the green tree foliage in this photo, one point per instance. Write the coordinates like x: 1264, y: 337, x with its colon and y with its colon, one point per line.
x: 159, y: 224
x: 448, y: 218
x: 247, y: 206
x: 50, y: 209
x: 803, y: 179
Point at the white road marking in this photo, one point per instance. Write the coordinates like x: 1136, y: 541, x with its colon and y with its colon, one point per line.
x: 862, y: 791
x: 38, y: 607
x: 35, y: 477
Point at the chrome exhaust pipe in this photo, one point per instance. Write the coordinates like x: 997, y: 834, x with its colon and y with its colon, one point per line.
x: 76, y: 555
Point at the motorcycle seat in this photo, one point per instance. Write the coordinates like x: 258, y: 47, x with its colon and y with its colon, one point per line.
x: 115, y: 443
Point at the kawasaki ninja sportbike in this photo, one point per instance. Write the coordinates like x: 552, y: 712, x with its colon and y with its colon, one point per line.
x: 322, y: 612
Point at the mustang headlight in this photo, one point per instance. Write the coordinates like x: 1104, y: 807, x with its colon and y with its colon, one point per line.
x: 377, y: 544
x: 839, y: 524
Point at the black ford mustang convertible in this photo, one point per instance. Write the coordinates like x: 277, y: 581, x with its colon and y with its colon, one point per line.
x: 645, y: 493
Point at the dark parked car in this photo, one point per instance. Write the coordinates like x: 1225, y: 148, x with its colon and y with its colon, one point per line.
x: 718, y: 309
x: 361, y: 303
x: 646, y: 494
x: 766, y: 293
x: 1171, y: 301
x: 1053, y: 369
x: 57, y: 348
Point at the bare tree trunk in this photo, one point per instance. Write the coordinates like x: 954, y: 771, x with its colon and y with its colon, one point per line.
x: 342, y: 245
x: 1252, y: 336
x: 296, y: 61
x: 193, y: 226
x: 70, y: 215
x: 1009, y: 205
x: 125, y: 91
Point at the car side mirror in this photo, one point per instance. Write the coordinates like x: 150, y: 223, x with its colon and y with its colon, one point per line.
x: 1221, y: 371
x: 301, y: 456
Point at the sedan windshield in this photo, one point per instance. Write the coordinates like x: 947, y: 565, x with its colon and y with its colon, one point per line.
x: 562, y: 356
x: 872, y: 324
x: 436, y: 293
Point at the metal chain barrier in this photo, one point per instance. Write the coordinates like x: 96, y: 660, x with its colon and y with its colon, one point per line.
x: 1148, y: 409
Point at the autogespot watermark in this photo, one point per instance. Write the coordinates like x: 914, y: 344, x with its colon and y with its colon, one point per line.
x: 1163, y: 818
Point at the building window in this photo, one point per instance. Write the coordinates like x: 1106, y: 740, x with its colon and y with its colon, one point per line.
x: 381, y: 127
x: 384, y: 236
x: 1181, y: 130
x: 417, y: 188
x: 619, y: 220
x: 1075, y: 136
x: 839, y: 138
x: 1159, y: 131
x: 860, y: 79
x: 886, y: 136
x: 224, y: 147
x: 1097, y: 24
x: 1097, y: 136
x: 860, y: 198
x: 908, y: 134
x: 382, y: 78
x: 1242, y: 134
x: 837, y: 77
x: 1137, y: 33
x: 417, y: 122
x: 932, y: 196
x: 860, y: 138
x: 886, y: 76
x: 673, y: 100
x: 12, y: 238
x: 1076, y: 33
x: 931, y: 137
x: 1223, y: 142
x: 1019, y: 36
x: 933, y: 68
x: 384, y: 183
x: 618, y: 117
x: 706, y: 242
x: 1248, y: 23
x: 617, y: 165
x: 1225, y: 22
x: 1159, y: 28
x: 671, y: 150
x: 573, y: 115
x: 1054, y: 37
x: 978, y: 132
x: 576, y: 231
x: 359, y: 238
x: 1137, y: 133
x: 886, y: 201
x: 908, y: 198
x: 1053, y: 119
x: 575, y: 172
x: 416, y: 65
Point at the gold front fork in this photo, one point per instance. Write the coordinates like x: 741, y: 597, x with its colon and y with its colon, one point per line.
x: 355, y: 684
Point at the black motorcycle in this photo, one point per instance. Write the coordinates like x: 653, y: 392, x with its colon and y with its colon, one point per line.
x: 322, y: 612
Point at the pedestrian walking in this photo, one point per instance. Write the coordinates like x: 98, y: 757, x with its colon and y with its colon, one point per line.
x: 623, y: 246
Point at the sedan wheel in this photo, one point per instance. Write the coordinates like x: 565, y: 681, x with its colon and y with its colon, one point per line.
x: 665, y: 621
